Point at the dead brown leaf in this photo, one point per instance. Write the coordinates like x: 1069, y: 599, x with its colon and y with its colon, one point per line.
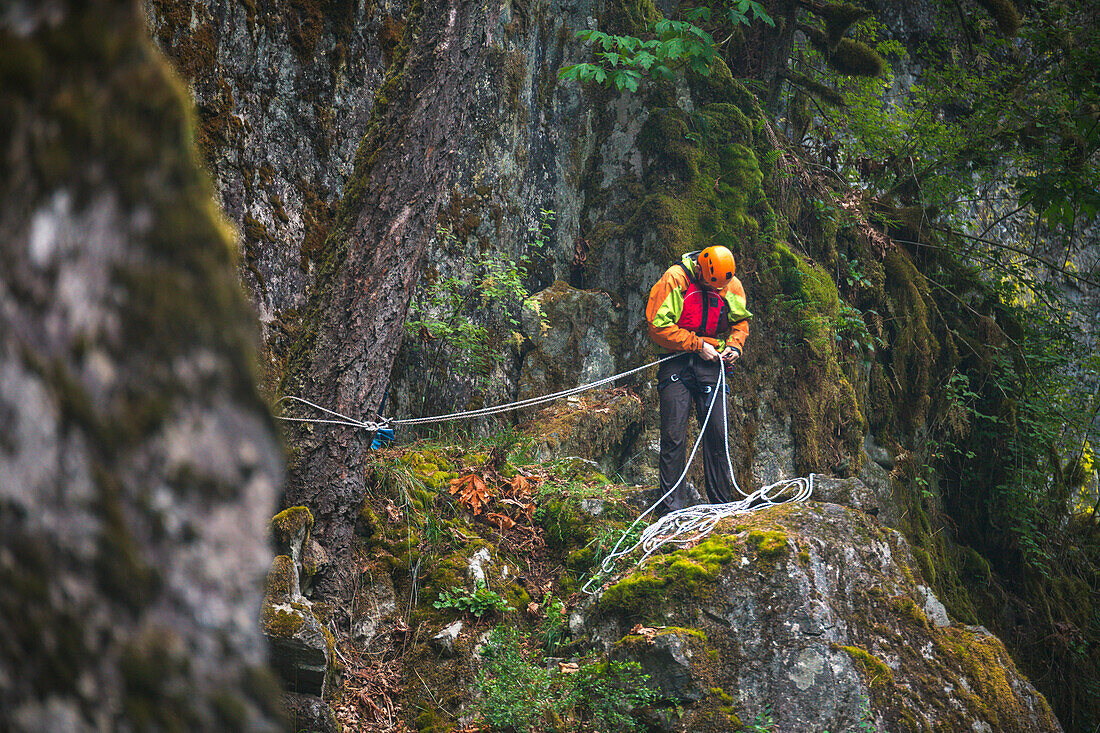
x: 471, y: 490
x: 526, y: 508
x: 647, y: 631
x: 392, y: 512
x: 568, y: 667
x: 501, y: 521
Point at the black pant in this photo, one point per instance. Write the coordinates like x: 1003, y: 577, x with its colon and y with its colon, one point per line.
x: 681, y: 381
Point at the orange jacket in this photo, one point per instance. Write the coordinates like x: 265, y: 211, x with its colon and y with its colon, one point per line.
x: 666, y: 303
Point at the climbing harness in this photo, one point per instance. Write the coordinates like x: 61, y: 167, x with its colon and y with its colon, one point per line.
x: 689, y: 525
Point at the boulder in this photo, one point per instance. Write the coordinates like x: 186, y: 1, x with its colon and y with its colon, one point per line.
x: 310, y: 713
x: 569, y: 339
x: 813, y: 612
x: 374, y: 603
x: 301, y: 647
x: 599, y: 426
x: 850, y: 492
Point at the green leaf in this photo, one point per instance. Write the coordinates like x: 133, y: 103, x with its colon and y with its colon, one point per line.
x: 698, y: 15
x: 645, y: 60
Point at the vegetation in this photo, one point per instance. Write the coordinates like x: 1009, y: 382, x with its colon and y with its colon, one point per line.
x: 477, y: 602
x: 911, y: 245
x: 520, y: 695
x: 983, y: 175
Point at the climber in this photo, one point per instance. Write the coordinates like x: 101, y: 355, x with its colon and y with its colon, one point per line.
x: 697, y: 308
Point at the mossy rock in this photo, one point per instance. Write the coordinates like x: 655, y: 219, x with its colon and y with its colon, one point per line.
x: 290, y: 529
x: 670, y: 579
x: 302, y: 648
x: 282, y: 578
x: 770, y: 544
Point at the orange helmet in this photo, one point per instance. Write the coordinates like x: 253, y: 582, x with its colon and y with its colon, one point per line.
x: 716, y: 267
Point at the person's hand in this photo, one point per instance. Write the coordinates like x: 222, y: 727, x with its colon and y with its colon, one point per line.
x: 708, y: 352
x: 729, y: 355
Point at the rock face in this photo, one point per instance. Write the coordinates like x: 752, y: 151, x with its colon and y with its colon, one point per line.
x: 137, y: 463
x: 284, y: 91
x: 813, y: 612
x: 301, y: 645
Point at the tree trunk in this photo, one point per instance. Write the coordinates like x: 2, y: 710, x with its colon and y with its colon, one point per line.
x: 404, y: 170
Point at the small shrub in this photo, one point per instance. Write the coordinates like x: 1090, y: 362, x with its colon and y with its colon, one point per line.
x: 477, y: 602
x: 519, y: 694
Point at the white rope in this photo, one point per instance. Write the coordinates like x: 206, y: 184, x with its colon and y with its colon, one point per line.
x: 482, y: 412
x: 530, y: 401
x: 689, y: 525
x: 682, y: 527
x: 344, y: 419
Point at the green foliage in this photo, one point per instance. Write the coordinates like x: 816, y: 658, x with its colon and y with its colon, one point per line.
x: 604, y: 693
x: 1020, y: 110
x: 519, y: 694
x: 762, y: 722
x: 622, y: 61
x: 851, y: 332
x: 553, y: 630
x: 442, y: 312
x: 478, y: 602
x: 459, y: 318
x: 514, y: 693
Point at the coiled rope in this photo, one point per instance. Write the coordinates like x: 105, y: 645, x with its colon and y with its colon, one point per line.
x: 691, y: 524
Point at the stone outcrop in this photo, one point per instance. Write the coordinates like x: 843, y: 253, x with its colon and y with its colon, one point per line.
x: 137, y: 463
x: 816, y: 614
x: 284, y: 91
x: 302, y: 648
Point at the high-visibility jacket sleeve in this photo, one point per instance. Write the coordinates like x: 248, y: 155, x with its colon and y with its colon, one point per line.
x: 739, y: 316
x: 666, y: 303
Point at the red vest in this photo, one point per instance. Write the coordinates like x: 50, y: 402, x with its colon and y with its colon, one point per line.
x: 705, y: 313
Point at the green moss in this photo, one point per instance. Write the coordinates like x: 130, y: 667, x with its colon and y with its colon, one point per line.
x: 280, y: 578
x: 290, y: 524
x: 989, y: 672
x: 924, y: 561
x: 663, y: 579
x: 815, y: 89
x: 769, y: 544
x: 280, y: 622
x: 907, y: 608
x: 972, y: 566
x: 433, y: 466
x: 873, y: 668
x: 838, y: 18
x: 565, y: 527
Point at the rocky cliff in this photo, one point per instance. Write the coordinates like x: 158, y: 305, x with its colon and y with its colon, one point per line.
x: 379, y: 159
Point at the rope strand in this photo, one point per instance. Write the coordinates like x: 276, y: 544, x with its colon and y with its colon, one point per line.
x: 481, y: 412
x: 681, y: 527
